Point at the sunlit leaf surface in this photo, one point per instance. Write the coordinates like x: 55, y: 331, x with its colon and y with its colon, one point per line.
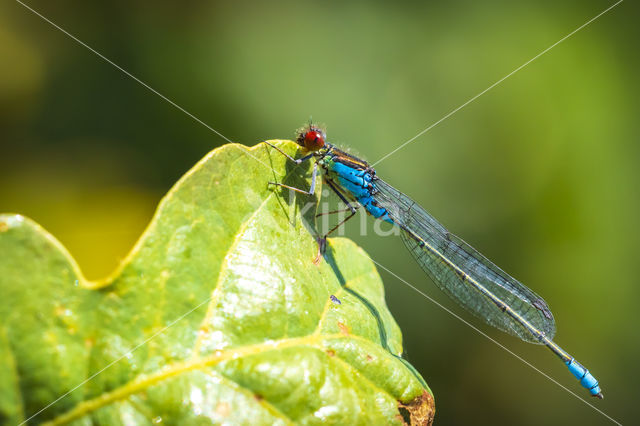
x: 217, y: 314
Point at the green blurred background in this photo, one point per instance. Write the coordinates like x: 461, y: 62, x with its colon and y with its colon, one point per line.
x: 540, y: 173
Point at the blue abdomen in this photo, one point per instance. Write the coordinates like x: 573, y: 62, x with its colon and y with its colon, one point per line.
x: 359, y: 185
x: 375, y: 211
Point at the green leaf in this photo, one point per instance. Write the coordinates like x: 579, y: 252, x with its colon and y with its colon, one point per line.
x: 218, y: 314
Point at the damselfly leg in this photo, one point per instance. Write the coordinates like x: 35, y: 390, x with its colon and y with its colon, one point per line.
x: 314, y: 173
x: 322, y: 241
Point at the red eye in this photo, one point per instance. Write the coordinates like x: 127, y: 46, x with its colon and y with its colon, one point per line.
x: 313, y: 140
x: 311, y: 137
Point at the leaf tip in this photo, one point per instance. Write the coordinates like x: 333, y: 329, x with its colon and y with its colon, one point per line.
x: 419, y: 411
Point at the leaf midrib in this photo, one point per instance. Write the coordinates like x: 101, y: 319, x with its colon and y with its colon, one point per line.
x: 175, y: 369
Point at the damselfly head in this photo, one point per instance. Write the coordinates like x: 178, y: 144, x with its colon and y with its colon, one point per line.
x: 311, y: 137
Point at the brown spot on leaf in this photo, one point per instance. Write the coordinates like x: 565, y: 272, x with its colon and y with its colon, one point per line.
x: 419, y: 411
x: 223, y: 409
x: 258, y: 397
x: 4, y: 227
x: 369, y: 357
x: 343, y: 329
x: 331, y: 352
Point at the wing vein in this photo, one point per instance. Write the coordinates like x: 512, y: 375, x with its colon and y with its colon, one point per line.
x: 464, y: 274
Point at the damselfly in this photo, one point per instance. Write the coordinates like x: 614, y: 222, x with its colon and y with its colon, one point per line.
x: 458, y: 269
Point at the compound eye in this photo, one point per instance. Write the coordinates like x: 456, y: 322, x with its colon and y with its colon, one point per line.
x: 313, y: 140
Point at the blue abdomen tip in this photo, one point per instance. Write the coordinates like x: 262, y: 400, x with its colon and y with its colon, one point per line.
x: 586, y: 379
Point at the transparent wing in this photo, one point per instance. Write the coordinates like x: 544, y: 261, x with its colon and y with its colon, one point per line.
x: 442, y: 250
